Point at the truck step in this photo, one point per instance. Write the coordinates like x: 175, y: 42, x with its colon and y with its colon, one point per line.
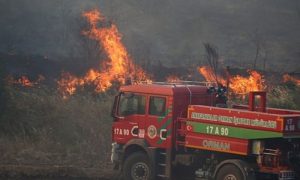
x: 183, y: 131
x: 163, y: 153
x: 180, y: 142
x: 162, y: 164
x: 162, y: 176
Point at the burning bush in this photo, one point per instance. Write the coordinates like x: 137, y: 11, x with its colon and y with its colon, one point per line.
x: 238, y: 84
x: 117, y: 67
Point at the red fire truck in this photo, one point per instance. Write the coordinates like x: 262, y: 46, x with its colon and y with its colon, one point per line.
x: 163, y: 129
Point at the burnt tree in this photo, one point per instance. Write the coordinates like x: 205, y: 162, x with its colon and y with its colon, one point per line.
x: 212, y: 57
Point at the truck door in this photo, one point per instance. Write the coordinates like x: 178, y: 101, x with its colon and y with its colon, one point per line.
x: 130, y: 120
x: 159, y: 121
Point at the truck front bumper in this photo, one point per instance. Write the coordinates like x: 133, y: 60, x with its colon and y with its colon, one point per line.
x: 116, y: 154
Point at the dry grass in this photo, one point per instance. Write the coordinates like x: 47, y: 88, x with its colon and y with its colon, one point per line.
x: 39, y: 127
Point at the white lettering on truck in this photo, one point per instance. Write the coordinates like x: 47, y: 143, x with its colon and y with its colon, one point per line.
x: 223, y: 146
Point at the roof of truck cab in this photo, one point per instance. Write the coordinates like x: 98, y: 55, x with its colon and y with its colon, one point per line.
x: 164, y: 89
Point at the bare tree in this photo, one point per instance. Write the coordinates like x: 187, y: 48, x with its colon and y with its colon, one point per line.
x: 256, y: 41
x: 212, y: 58
x: 265, y: 55
x: 261, y: 50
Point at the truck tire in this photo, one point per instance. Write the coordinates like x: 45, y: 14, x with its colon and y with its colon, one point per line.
x: 137, y: 167
x: 229, y: 172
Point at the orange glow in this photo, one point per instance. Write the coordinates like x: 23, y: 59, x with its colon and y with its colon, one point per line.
x: 238, y: 84
x: 116, y: 68
x: 209, y: 76
x: 244, y: 85
x: 24, y: 81
x: 172, y: 79
x: 68, y: 83
x: 288, y: 78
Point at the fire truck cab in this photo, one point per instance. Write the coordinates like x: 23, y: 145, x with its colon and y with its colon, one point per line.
x: 158, y: 127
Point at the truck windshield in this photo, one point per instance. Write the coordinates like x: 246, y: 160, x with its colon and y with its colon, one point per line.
x: 132, y: 104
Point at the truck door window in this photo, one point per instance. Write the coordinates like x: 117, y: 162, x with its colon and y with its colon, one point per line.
x: 157, y: 106
x: 132, y: 104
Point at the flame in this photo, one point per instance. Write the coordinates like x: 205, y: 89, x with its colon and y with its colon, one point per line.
x: 244, y: 85
x: 238, y: 84
x: 208, y: 74
x: 116, y: 68
x: 172, y: 79
x: 289, y: 78
x: 24, y: 81
x: 68, y: 84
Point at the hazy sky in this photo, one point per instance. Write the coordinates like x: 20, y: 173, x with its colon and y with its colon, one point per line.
x: 170, y: 31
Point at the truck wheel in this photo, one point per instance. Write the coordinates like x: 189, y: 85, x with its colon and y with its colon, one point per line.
x: 137, y: 167
x: 229, y: 172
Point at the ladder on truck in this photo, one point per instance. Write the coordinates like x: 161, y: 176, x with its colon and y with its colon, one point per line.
x: 181, y: 132
x: 163, y: 164
x: 164, y: 156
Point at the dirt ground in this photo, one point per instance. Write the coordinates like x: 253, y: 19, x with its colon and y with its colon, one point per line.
x: 28, y: 172
x: 11, y: 172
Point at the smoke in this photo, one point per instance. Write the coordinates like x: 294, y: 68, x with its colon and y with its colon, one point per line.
x: 169, y: 31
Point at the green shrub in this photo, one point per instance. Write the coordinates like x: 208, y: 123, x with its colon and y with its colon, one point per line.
x: 286, y: 96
